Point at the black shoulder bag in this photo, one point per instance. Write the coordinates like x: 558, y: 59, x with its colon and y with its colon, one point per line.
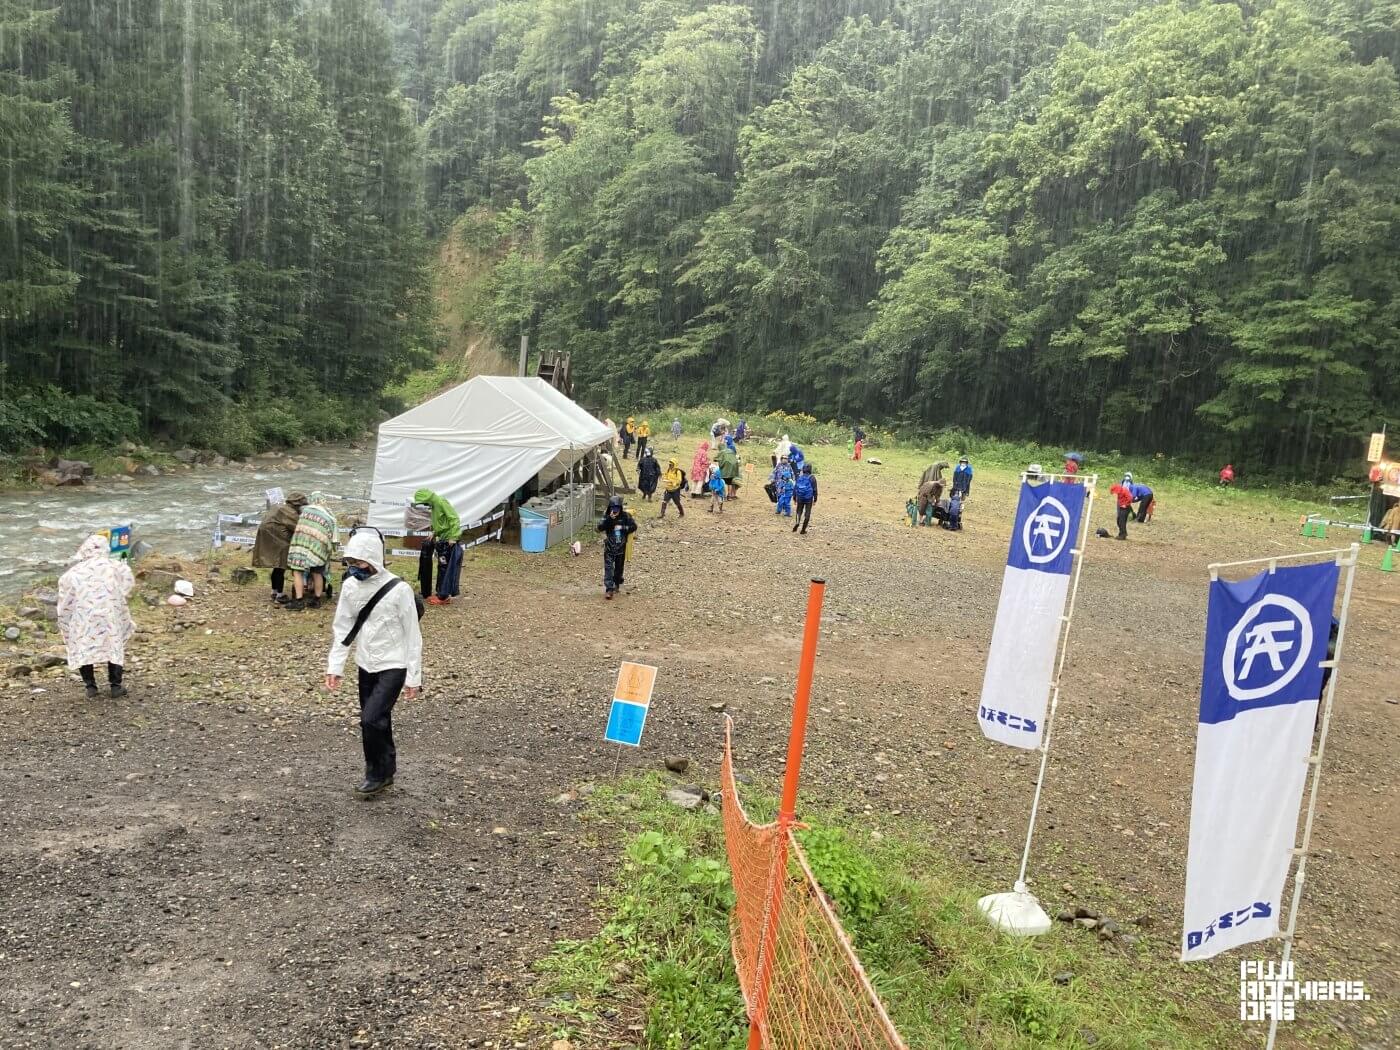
x: 374, y: 600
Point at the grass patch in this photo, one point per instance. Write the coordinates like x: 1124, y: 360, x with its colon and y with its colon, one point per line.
x: 661, y: 962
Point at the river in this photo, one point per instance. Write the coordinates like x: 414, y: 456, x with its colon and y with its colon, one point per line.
x: 174, y: 513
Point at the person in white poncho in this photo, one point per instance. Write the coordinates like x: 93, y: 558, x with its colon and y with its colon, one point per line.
x: 378, y: 614
x: 92, y: 614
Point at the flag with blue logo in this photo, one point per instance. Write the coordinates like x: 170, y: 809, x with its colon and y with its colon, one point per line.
x: 1025, y: 638
x: 1266, y: 640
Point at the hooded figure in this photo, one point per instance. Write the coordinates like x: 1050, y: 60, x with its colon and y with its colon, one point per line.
x: 675, y: 430
x: 700, y: 467
x: 444, y: 548
x: 643, y: 436
x: 310, y: 551
x: 783, y: 484
x: 673, y: 484
x: 648, y: 473
x: 616, y: 525
x: 275, y: 537
x: 446, y: 524
x: 781, y: 449
x: 92, y: 613
x: 934, y: 474
x: 388, y: 651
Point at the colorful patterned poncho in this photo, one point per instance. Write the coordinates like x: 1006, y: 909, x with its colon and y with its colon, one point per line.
x: 314, y: 537
x: 92, y: 612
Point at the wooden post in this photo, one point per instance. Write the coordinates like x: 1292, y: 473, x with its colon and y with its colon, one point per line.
x: 787, y: 814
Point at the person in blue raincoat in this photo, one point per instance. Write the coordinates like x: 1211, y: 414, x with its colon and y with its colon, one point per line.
x: 796, y: 459
x: 962, y: 478
x: 1142, y: 496
x: 784, y: 481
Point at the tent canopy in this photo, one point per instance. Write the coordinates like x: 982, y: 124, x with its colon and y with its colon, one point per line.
x: 477, y: 443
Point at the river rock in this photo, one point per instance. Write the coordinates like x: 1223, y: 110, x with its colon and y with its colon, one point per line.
x: 66, y: 472
x: 30, y: 611
x: 685, y: 798
x: 677, y: 764
x: 149, y: 470
x: 21, y: 671
x: 243, y: 576
x: 12, y: 634
x: 187, y: 456
x: 49, y: 660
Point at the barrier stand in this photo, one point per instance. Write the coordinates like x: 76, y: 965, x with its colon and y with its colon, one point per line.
x: 1019, y: 912
x: 787, y: 817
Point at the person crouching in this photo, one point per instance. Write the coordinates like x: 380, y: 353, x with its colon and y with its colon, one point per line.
x: 377, y: 614
x: 616, y: 526
x: 93, y: 616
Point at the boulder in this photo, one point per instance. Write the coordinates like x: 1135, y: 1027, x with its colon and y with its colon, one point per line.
x: 12, y: 634
x: 243, y: 576
x: 149, y: 470
x: 187, y: 456
x: 685, y: 798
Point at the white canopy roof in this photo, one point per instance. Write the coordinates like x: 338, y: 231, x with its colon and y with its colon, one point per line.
x: 477, y: 443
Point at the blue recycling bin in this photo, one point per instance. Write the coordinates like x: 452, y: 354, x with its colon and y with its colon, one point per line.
x: 534, y: 534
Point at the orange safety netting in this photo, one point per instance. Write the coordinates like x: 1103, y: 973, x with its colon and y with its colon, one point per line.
x: 816, y: 995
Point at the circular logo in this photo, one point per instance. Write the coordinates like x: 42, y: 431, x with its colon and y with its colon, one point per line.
x: 1046, y: 531
x: 1279, y: 642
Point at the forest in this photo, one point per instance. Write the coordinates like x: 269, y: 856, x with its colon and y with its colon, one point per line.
x: 1156, y: 227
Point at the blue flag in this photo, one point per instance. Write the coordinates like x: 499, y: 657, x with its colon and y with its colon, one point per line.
x: 1047, y: 527
x: 1266, y: 638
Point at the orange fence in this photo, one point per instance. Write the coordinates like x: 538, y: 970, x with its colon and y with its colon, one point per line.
x: 803, y: 985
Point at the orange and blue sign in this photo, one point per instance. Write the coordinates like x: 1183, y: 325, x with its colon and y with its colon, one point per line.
x: 631, y: 700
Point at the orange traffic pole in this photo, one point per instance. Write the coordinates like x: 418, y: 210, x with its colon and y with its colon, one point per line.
x: 787, y: 813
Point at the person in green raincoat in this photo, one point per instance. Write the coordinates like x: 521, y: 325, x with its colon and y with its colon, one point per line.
x: 443, y: 547
x: 728, y: 461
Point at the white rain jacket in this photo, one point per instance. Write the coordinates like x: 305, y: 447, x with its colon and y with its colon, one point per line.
x: 390, y: 637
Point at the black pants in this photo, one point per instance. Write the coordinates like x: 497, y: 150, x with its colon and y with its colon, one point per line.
x: 448, y: 574
x: 614, y: 563
x: 672, y: 497
x: 1124, y: 513
x: 279, y: 580
x: 114, y: 675
x: 1143, y: 508
x: 641, y: 447
x: 379, y: 691
x: 804, y: 515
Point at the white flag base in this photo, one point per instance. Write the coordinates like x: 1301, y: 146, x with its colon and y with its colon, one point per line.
x: 1017, y: 912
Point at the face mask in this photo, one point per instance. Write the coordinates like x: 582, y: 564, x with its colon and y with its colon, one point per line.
x: 360, y: 572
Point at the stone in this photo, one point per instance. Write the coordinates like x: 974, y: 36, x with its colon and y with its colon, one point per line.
x: 1065, y: 915
x: 30, y: 611
x: 1088, y: 1037
x: 21, y: 671
x: 187, y: 455
x: 46, y: 597
x: 50, y: 660
x: 27, y: 625
x: 243, y: 576
x: 12, y: 634
x: 1127, y: 940
x: 677, y: 765
x: 720, y: 706
x: 1082, y: 912
x: 148, y: 470
x: 767, y: 680
x: 1108, y: 926
x: 1086, y: 923
x: 684, y: 798
x: 1063, y: 978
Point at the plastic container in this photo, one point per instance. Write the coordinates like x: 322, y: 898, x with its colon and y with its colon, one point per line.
x: 534, y: 534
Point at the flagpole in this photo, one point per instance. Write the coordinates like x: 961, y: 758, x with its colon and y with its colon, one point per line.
x: 1352, y: 556
x: 1090, y: 484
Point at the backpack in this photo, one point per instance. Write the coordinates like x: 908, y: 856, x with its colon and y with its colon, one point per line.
x: 374, y: 600
x: 806, y: 488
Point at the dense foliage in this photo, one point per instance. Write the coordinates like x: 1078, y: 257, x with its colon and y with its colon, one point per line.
x: 1167, y: 226
x: 212, y: 227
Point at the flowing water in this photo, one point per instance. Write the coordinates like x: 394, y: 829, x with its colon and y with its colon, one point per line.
x: 174, y: 513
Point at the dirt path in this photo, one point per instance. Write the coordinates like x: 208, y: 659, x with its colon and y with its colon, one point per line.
x: 193, y: 872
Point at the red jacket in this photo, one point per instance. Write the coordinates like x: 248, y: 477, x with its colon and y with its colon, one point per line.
x: 1125, y: 496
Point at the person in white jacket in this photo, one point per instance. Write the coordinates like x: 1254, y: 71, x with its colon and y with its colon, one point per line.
x: 388, y: 651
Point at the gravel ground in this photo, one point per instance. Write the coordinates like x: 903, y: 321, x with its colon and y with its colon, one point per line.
x: 189, y: 869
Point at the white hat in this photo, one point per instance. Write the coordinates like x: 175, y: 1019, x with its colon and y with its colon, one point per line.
x: 365, y: 546
x: 1035, y: 468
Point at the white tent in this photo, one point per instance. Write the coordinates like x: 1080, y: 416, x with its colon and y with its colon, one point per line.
x: 477, y: 444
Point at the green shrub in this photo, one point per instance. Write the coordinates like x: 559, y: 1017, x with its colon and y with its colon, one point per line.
x: 846, y: 874
x: 46, y: 415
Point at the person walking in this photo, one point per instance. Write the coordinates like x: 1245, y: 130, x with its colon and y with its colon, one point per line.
x: 93, y: 617
x: 615, y: 526
x: 443, y: 548
x: 643, y: 436
x: 273, y: 540
x: 805, y: 490
x: 628, y: 433
x: 648, y: 472
x: 857, y: 442
x: 378, y: 615
x: 962, y: 478
x: 1227, y: 475
x: 700, y: 469
x: 1124, y: 495
x: 673, y: 484
x: 783, y: 485
x: 717, y: 489
x: 309, y: 553
x: 675, y: 430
